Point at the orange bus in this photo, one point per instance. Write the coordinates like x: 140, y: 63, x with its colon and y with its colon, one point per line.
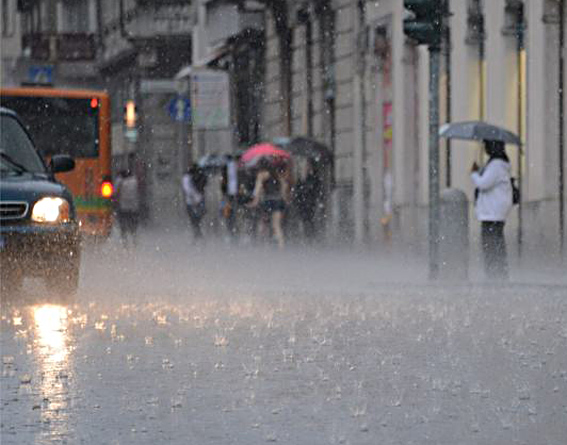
x: 77, y: 123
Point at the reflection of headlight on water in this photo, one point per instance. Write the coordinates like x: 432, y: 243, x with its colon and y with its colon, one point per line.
x: 52, y: 349
x: 51, y: 210
x: 51, y: 327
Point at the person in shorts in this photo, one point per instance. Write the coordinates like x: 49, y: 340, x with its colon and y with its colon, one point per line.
x: 270, y: 195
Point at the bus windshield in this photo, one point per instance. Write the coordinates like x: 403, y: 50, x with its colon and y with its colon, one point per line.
x: 59, y: 125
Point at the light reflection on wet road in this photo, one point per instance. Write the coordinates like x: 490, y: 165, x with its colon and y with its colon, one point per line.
x: 247, y: 347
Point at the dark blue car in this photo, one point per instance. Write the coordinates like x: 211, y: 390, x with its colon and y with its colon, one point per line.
x: 39, y: 232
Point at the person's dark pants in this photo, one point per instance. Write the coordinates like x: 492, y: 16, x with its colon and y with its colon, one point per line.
x: 309, y: 227
x: 128, y: 222
x: 195, y: 216
x: 494, y: 250
x: 231, y: 225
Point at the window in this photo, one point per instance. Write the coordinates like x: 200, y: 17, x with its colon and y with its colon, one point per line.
x: 475, y: 22
x: 76, y: 16
x: 59, y: 125
x: 8, y: 18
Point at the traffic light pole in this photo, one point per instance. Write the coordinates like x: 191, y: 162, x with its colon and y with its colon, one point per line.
x: 424, y: 25
x: 434, y: 210
x: 561, y: 128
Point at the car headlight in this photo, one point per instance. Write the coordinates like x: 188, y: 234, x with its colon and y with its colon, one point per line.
x: 51, y: 210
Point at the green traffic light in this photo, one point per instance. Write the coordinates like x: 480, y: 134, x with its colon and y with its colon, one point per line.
x: 426, y: 24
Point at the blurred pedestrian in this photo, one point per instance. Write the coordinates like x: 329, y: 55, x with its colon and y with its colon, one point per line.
x: 193, y: 183
x: 128, y: 205
x: 493, y: 201
x: 307, y: 196
x: 271, y: 195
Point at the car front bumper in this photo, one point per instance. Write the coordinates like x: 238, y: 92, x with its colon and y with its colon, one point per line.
x: 34, y: 248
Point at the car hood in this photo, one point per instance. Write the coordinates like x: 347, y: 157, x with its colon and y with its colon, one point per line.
x: 29, y: 187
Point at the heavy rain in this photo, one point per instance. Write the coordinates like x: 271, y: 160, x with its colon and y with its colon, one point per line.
x: 274, y: 221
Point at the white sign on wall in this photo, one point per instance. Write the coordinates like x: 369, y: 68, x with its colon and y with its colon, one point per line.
x: 210, y: 99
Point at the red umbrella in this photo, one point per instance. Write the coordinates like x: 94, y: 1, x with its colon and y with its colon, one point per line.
x: 264, y: 150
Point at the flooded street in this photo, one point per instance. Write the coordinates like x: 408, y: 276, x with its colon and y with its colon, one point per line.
x: 178, y: 344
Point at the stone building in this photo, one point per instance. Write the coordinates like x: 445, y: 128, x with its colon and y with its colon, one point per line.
x: 11, y: 46
x: 343, y: 72
x: 500, y: 64
x: 132, y: 49
x: 49, y: 42
x: 143, y: 44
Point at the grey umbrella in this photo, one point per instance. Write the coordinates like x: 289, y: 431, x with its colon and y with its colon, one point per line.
x: 306, y: 146
x: 212, y: 162
x: 478, y: 131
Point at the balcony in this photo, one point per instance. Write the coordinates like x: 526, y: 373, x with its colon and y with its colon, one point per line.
x: 63, y: 47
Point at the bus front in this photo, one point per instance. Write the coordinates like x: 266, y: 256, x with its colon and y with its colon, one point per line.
x: 78, y: 124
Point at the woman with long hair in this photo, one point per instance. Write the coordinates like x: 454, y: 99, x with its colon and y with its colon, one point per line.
x: 493, y: 203
x: 271, y: 195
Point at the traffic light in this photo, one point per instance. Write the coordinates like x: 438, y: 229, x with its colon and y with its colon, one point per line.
x: 426, y: 22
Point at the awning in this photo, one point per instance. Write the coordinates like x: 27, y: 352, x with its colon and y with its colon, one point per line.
x: 214, y: 55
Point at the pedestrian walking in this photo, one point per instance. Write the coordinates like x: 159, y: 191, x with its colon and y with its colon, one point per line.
x: 271, y: 195
x: 128, y: 206
x: 493, y: 201
x: 193, y: 183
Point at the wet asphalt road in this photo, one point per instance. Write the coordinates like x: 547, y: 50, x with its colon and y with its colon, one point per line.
x: 169, y: 343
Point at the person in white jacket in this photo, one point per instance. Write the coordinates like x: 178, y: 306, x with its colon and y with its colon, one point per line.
x: 493, y: 203
x: 127, y: 196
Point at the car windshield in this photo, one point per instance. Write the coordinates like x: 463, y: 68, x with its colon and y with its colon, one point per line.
x: 16, y: 148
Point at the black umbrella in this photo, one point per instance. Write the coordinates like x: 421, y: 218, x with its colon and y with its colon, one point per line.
x: 478, y: 131
x: 308, y: 147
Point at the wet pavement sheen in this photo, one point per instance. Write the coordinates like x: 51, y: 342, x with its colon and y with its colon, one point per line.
x: 213, y: 346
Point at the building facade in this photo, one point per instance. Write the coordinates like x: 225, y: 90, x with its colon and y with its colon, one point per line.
x: 50, y: 42
x: 11, y: 46
x: 143, y: 44
x: 343, y: 72
x: 131, y: 48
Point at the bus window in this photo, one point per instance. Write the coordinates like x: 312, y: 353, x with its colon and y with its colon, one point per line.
x: 59, y: 125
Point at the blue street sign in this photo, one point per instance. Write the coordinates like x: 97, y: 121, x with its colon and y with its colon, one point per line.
x: 179, y: 108
x: 41, y: 74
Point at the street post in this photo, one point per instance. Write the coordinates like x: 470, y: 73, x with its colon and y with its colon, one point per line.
x: 561, y: 94
x: 425, y: 26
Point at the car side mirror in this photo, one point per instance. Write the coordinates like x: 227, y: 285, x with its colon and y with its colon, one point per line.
x: 62, y: 163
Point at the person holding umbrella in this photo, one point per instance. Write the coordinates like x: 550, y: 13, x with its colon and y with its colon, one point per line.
x: 271, y: 194
x: 495, y: 193
x: 493, y: 201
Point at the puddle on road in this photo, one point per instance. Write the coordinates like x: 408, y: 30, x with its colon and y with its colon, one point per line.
x: 355, y: 369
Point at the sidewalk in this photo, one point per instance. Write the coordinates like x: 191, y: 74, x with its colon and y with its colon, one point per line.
x: 222, y: 266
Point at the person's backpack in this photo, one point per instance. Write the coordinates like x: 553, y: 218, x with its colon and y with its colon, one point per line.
x: 516, y: 194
